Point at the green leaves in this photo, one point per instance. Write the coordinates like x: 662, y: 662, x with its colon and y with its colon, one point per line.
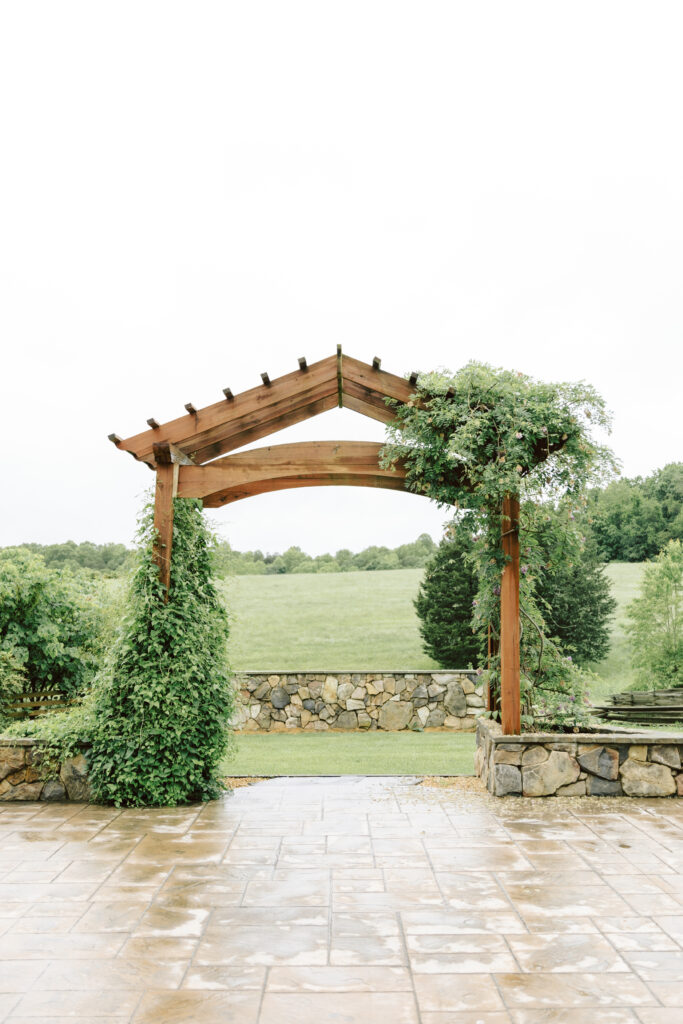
x: 162, y: 714
x: 656, y: 620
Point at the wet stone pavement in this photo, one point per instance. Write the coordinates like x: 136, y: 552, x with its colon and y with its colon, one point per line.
x: 344, y: 900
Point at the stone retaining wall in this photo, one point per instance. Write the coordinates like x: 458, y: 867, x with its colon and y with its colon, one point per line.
x: 22, y: 776
x: 317, y: 701
x: 616, y: 762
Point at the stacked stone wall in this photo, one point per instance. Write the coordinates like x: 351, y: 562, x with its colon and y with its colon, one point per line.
x: 23, y: 776
x: 318, y: 701
x: 611, y: 763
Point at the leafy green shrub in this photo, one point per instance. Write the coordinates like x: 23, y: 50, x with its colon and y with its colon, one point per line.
x: 656, y: 621
x: 52, y: 622
x: 162, y: 711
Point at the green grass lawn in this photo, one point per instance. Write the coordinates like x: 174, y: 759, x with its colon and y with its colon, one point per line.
x: 359, y: 620
x: 366, y: 753
x: 615, y: 672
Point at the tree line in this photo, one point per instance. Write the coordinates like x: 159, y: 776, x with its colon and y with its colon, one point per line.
x: 630, y: 520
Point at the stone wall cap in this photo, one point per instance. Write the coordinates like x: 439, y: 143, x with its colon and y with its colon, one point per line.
x: 596, y: 738
x: 17, y: 741
x: 352, y: 671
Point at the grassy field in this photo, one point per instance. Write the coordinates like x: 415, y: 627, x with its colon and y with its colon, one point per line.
x: 370, y: 753
x: 615, y: 671
x: 359, y: 620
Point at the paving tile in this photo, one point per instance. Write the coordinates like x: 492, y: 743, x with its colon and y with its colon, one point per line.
x: 190, y: 1007
x: 467, y: 1017
x: 349, y: 1007
x: 564, y: 953
x: 265, y: 946
x: 563, y: 991
x: 105, y: 1004
x: 339, y: 979
x: 440, y: 992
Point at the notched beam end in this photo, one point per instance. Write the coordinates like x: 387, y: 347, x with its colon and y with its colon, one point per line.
x: 115, y: 439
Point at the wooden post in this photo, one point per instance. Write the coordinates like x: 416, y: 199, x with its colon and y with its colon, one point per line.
x: 509, y: 620
x: 167, y: 483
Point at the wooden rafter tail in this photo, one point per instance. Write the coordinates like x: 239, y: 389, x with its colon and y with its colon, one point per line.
x: 214, y: 422
x: 412, y: 380
x: 266, y: 380
x: 376, y: 363
x: 228, y: 394
x: 190, y: 408
x: 151, y: 422
x: 115, y: 439
x: 302, y: 364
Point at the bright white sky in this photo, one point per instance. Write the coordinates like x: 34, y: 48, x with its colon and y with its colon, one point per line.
x: 192, y: 193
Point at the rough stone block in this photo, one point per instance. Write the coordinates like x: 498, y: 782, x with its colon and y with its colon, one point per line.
x: 344, y: 691
x: 535, y: 755
x: 560, y: 769
x: 507, y: 779
x: 455, y: 701
x: 473, y: 700
x: 24, y: 791
x: 279, y: 698
x: 364, y: 720
x: 467, y: 686
x: 596, y: 786
x: 573, y: 789
x: 329, y: 690
x: 665, y: 754
x: 11, y: 759
x: 436, y: 719
x: 602, y: 761
x: 507, y: 756
x: 74, y: 776
x: 53, y: 790
x: 423, y: 715
x: 451, y: 722
x: 643, y: 779
x: 637, y: 752
x: 346, y: 720
x: 355, y: 705
x: 395, y: 715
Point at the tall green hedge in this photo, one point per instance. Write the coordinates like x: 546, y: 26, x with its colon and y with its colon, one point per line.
x: 162, y: 712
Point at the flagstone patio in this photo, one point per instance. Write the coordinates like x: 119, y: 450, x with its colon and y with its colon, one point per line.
x: 344, y: 900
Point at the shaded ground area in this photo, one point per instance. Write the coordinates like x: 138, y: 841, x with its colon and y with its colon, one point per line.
x: 339, y: 753
x: 328, y: 900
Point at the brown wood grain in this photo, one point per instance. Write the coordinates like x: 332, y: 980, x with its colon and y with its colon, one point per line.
x: 167, y: 475
x: 509, y: 620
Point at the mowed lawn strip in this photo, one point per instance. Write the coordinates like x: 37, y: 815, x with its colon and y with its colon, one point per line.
x: 356, y: 753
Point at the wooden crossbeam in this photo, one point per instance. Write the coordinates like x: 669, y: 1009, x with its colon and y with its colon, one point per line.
x: 305, y: 464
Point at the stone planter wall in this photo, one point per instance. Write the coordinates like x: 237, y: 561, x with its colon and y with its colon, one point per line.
x: 23, y: 778
x: 616, y: 762
x: 317, y: 701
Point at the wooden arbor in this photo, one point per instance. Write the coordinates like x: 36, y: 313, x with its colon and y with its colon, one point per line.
x: 191, y: 460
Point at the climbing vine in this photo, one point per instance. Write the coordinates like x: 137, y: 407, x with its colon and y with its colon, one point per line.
x: 469, y: 439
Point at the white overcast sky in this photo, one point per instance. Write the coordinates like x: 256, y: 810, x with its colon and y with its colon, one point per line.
x: 192, y: 193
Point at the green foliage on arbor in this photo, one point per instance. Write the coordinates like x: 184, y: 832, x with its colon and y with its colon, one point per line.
x: 656, y: 621
x: 53, y: 624
x: 633, y: 519
x: 163, y: 708
x: 444, y: 603
x: 470, y: 439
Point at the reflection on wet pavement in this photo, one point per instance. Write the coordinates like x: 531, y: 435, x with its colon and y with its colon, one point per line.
x: 344, y: 900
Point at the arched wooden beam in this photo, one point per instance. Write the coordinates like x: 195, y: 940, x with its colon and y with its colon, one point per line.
x: 278, y: 467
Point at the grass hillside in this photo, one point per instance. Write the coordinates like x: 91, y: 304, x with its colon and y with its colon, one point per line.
x: 615, y: 671
x: 361, y: 620
x: 366, y: 620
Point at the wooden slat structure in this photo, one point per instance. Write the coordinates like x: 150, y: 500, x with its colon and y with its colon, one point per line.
x: 191, y: 457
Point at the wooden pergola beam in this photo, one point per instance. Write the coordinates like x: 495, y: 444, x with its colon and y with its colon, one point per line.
x: 509, y: 620
x: 309, y: 463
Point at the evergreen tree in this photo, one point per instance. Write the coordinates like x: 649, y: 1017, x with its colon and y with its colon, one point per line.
x: 577, y: 605
x: 444, y: 602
